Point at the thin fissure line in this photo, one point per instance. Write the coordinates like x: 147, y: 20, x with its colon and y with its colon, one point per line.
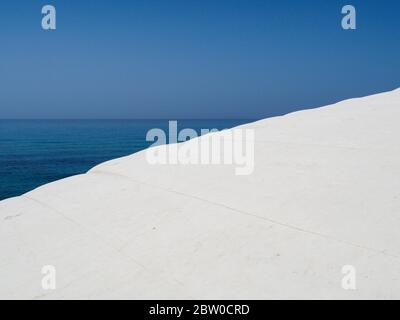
x: 252, y: 215
x: 93, y: 233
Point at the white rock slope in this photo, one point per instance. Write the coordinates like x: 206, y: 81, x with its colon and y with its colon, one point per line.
x: 325, y: 193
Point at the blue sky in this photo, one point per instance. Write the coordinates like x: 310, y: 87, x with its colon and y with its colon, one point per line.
x: 192, y: 59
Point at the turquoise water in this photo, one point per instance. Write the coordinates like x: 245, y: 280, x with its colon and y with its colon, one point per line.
x: 36, y: 152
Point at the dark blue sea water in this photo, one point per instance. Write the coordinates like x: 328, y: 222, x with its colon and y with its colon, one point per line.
x: 35, y: 152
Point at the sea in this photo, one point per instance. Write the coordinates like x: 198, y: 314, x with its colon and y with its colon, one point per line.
x: 36, y: 152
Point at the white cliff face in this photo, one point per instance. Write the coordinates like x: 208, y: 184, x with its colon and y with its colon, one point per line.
x: 325, y: 193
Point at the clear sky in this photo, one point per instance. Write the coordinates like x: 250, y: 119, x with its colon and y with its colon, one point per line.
x: 192, y: 59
